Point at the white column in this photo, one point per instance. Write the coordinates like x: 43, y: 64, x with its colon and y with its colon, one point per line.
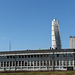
x: 49, y: 62
x: 55, y: 62
x: 62, y: 63
x: 18, y: 63
x: 3, y: 65
x: 21, y: 65
x: 9, y: 64
x: 42, y: 63
x: 46, y: 64
x: 73, y: 63
x: 33, y: 64
x: 39, y: 64
x: 30, y: 63
x: 36, y: 63
x: 0, y: 64
x: 12, y: 63
x: 59, y: 63
x: 24, y: 63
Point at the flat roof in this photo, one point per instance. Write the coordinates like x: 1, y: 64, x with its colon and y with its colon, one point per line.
x: 37, y: 51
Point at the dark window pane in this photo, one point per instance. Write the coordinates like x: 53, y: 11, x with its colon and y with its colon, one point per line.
x: 25, y: 56
x: 31, y: 56
x: 28, y: 56
x: 7, y: 56
x: 19, y: 56
x: 34, y: 56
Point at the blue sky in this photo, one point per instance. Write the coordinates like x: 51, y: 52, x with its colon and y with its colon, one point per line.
x: 27, y: 23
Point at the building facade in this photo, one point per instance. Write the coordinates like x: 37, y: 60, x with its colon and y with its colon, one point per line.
x: 56, y: 42
x: 34, y: 60
x: 72, y: 42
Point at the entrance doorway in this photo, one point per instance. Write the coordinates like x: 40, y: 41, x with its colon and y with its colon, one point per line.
x: 69, y: 68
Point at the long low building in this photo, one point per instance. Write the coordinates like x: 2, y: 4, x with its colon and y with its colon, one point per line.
x: 32, y: 60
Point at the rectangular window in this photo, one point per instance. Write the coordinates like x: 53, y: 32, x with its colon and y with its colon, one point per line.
x: 54, y: 63
x: 13, y: 63
x: 61, y: 55
x: 71, y: 55
x: 28, y: 56
x: 53, y: 55
x: 50, y: 55
x: 19, y: 56
x: 50, y: 62
x: 25, y: 63
x: 31, y: 56
x: 57, y: 62
x: 37, y: 63
x: 60, y: 62
x: 10, y: 63
x: 44, y: 55
x: 19, y: 63
x: 13, y: 56
x: 4, y: 64
x: 57, y: 55
x: 44, y: 63
x: 25, y: 56
x: 16, y: 63
x: 1, y: 64
x: 7, y: 64
x: 37, y: 55
x: 41, y: 63
x: 28, y: 63
x: 68, y: 55
x: 31, y: 63
x: 10, y: 56
x: 22, y: 63
x: 71, y: 62
x: 47, y: 62
x: 22, y: 56
x: 67, y: 62
x: 40, y: 55
x: 47, y: 55
x: 34, y: 56
x: 34, y: 63
x: 7, y: 56
x: 64, y: 55
x: 64, y: 62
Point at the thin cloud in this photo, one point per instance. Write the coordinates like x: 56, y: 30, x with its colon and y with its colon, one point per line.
x: 4, y: 38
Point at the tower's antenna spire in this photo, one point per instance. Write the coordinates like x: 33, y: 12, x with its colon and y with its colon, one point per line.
x: 10, y: 45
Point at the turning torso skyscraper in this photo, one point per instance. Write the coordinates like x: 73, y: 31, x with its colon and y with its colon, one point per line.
x: 56, y: 41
